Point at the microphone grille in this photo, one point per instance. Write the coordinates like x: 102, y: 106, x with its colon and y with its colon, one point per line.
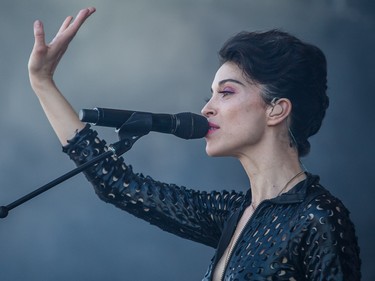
x: 191, y: 126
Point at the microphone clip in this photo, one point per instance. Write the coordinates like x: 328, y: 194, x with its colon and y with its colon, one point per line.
x: 138, y: 125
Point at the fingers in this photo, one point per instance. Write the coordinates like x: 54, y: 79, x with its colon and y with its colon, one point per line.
x: 44, y: 58
x: 82, y: 16
x: 65, y: 24
x: 79, y: 20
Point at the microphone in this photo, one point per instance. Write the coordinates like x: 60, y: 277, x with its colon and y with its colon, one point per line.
x: 184, y: 125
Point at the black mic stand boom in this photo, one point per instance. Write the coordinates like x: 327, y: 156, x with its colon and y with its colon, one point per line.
x: 135, y: 127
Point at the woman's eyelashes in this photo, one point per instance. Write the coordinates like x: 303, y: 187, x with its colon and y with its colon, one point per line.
x: 226, y: 93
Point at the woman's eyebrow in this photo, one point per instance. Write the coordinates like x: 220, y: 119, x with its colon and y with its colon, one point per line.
x: 229, y: 80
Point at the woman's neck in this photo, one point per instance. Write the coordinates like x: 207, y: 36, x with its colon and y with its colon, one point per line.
x: 272, y: 174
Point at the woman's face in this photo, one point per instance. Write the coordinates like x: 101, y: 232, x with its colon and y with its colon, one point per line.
x: 236, y: 113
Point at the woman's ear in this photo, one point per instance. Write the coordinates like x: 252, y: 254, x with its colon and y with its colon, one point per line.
x: 278, y: 111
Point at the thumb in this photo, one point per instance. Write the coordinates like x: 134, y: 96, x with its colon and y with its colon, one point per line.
x: 39, y: 34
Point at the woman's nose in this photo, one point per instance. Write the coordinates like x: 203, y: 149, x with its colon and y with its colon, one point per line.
x: 208, y: 110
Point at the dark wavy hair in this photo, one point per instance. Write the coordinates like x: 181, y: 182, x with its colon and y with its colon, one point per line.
x: 288, y: 68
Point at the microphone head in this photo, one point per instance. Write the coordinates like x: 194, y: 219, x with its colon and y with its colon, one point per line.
x: 190, y: 126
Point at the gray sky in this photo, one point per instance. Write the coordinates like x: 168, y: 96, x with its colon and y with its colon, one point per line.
x: 160, y: 56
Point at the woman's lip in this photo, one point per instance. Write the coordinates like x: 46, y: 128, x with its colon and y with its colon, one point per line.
x: 212, y: 127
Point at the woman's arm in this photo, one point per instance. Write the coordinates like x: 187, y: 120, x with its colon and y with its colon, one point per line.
x: 42, y: 64
x: 196, y: 215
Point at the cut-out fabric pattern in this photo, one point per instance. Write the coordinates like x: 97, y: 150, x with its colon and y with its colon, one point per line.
x: 303, y: 234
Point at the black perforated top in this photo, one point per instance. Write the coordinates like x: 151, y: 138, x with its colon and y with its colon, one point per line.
x: 303, y: 234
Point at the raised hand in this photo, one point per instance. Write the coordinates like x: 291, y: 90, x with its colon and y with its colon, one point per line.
x: 43, y: 61
x: 44, y: 57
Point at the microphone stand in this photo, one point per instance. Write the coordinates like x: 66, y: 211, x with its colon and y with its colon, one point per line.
x: 135, y: 127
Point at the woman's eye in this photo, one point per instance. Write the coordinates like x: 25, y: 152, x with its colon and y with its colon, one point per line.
x: 226, y: 93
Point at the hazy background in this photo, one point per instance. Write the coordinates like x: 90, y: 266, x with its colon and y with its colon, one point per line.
x: 160, y: 56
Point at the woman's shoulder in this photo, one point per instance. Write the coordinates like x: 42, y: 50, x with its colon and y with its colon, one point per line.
x: 326, y: 212
x: 321, y: 201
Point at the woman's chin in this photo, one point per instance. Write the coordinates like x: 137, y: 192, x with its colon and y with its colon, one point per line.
x: 214, y: 152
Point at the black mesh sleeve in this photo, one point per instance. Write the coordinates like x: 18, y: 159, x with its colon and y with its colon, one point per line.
x: 191, y: 214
